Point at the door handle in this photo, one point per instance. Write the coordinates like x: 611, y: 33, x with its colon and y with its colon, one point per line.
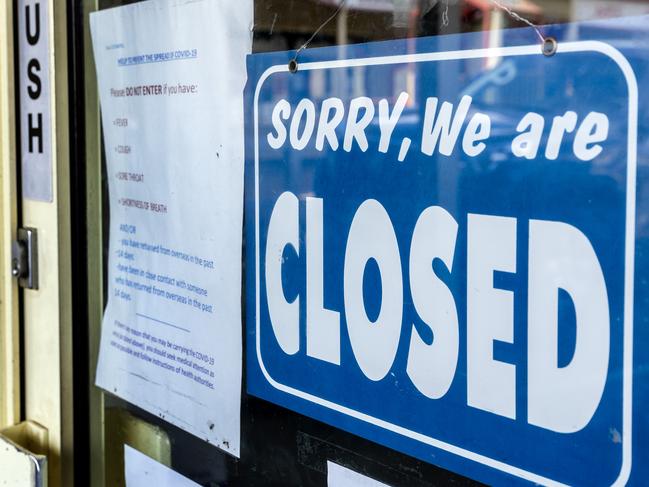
x: 24, y: 258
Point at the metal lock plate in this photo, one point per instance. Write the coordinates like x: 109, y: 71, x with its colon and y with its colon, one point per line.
x: 24, y: 258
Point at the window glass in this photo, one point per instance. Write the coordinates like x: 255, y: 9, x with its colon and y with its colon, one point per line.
x: 281, y: 447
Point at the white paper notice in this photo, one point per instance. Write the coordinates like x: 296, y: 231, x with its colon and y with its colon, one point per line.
x: 338, y: 476
x: 142, y: 471
x: 171, y: 76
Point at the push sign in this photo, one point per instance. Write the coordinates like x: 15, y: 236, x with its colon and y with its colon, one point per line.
x: 442, y: 244
x: 35, y: 99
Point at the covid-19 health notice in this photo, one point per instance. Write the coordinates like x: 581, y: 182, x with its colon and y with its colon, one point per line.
x: 171, y: 336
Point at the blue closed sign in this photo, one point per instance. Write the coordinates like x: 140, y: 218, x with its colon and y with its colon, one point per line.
x: 446, y: 248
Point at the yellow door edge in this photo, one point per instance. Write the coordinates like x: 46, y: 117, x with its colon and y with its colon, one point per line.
x: 9, y: 331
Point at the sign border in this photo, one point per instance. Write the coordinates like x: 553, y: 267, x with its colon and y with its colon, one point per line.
x: 627, y: 375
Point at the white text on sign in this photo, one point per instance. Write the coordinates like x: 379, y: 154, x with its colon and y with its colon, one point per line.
x: 444, y: 127
x: 560, y: 257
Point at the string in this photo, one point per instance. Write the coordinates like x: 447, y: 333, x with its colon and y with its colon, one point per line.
x: 322, y: 26
x: 515, y: 16
x: 445, y: 22
x: 445, y: 14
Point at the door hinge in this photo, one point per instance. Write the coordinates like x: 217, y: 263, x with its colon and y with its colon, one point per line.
x: 24, y: 258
